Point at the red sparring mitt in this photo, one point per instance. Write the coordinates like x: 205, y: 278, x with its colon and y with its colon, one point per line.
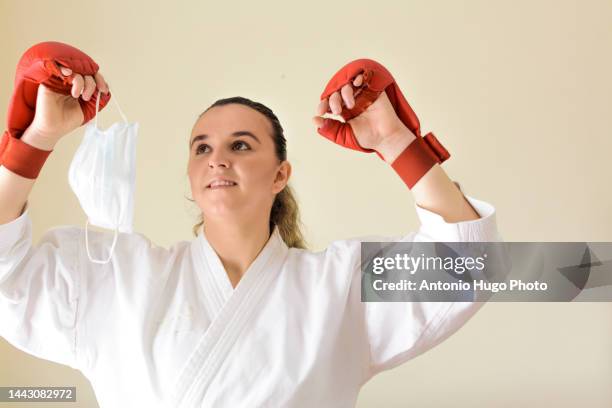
x: 419, y: 156
x: 40, y: 65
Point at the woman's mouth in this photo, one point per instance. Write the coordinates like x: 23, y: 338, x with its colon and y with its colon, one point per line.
x: 221, y: 184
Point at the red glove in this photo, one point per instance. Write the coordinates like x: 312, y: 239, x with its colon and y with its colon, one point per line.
x: 419, y: 156
x: 39, y: 65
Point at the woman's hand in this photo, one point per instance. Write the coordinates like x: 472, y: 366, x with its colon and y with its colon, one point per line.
x: 57, y: 114
x: 378, y: 127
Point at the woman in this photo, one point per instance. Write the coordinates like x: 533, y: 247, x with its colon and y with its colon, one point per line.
x: 242, y: 316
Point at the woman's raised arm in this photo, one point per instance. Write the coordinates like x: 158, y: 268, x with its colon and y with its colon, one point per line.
x: 56, y: 116
x: 358, y: 93
x: 14, y: 192
x: 434, y: 191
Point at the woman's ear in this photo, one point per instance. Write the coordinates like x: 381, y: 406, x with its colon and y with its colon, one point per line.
x: 282, y: 177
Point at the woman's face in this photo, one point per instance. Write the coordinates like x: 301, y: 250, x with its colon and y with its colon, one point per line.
x: 233, y: 143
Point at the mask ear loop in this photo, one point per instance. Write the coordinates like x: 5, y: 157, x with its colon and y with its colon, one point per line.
x: 97, y: 109
x: 114, y: 99
x: 112, y: 249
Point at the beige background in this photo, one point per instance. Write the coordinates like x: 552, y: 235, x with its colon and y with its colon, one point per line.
x: 518, y: 91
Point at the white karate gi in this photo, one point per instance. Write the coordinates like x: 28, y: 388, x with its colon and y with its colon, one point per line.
x: 164, y: 327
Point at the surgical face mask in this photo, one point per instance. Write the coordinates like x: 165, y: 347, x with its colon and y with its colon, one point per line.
x: 102, y: 175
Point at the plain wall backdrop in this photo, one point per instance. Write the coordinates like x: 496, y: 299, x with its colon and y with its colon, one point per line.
x: 520, y: 92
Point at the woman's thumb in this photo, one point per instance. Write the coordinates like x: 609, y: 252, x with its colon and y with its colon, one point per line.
x: 318, y: 121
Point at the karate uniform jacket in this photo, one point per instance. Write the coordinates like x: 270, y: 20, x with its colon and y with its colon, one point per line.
x: 163, y: 327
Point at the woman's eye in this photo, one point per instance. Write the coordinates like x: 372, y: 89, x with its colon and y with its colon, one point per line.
x: 240, y: 145
x: 201, y: 148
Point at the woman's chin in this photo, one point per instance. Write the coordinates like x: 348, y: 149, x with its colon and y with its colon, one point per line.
x: 221, y: 210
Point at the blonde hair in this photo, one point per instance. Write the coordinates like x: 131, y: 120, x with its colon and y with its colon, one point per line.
x: 285, y: 211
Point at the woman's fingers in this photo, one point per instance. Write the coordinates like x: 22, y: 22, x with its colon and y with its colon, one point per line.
x: 318, y: 121
x: 323, y: 107
x: 78, y: 83
x: 66, y: 71
x: 85, y: 86
x: 91, y: 83
x: 335, y: 103
x: 347, y: 96
x: 90, y: 87
x: 358, y: 80
x: 102, y: 85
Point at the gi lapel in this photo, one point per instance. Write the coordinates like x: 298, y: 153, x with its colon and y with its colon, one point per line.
x: 222, y: 333
x: 216, y: 287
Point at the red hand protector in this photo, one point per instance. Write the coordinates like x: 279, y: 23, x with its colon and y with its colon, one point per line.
x: 40, y: 64
x: 419, y: 156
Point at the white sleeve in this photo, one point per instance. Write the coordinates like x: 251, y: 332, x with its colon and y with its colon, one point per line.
x: 39, y: 290
x: 397, y: 331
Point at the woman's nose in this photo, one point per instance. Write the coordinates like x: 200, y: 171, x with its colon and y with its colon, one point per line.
x: 217, y: 159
